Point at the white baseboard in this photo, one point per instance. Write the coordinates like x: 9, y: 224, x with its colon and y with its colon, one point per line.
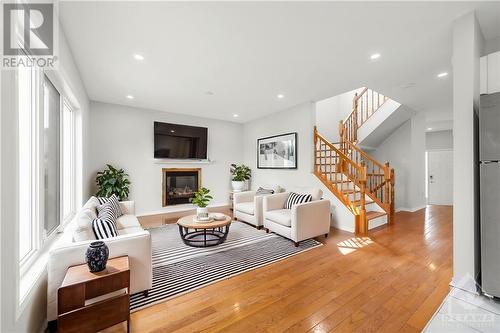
x: 180, y: 208
x: 411, y: 210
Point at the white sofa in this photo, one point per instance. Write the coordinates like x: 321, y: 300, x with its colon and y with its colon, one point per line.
x: 303, y: 221
x: 247, y: 206
x: 132, y: 240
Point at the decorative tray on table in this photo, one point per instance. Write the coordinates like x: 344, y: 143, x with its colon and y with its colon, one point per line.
x: 211, y: 218
x: 204, y: 220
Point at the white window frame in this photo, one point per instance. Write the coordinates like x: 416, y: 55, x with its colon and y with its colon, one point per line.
x: 32, y: 266
x: 66, y: 104
x: 34, y: 183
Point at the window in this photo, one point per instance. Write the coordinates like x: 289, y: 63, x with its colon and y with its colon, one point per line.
x: 46, y: 144
x: 51, y: 156
x: 46, y: 162
x: 27, y: 170
x: 68, y: 162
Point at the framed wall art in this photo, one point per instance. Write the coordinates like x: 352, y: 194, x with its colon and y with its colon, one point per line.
x: 277, y: 152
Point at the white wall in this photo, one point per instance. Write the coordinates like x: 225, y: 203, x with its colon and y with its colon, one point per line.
x: 330, y: 111
x: 439, y: 140
x: 492, y: 45
x: 30, y: 317
x: 123, y: 136
x: 298, y: 119
x: 395, y: 149
x: 405, y: 151
x: 467, y: 48
x: 416, y: 177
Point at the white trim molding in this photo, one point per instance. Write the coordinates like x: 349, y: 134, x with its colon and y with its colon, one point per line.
x: 411, y: 210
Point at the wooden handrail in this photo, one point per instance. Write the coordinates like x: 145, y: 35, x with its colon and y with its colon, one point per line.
x: 357, y: 96
x: 362, y: 109
x: 332, y: 166
x: 365, y: 155
x: 326, y: 142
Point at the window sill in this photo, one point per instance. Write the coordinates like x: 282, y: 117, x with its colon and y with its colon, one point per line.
x: 37, y: 267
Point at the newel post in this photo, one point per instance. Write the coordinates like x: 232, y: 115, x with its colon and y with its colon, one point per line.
x: 393, y: 183
x: 362, y: 212
x: 387, y: 193
x: 316, y: 149
x: 341, y: 134
x: 355, y: 112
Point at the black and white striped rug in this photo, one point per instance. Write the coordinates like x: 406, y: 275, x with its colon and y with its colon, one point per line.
x: 178, y: 268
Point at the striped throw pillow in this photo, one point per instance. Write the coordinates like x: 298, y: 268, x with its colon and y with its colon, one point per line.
x: 295, y: 198
x: 104, y: 225
x: 106, y: 211
x: 113, y: 199
x: 103, y: 229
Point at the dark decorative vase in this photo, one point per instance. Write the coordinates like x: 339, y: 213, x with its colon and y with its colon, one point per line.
x: 96, y: 256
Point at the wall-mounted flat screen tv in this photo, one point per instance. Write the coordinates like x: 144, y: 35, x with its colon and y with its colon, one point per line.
x: 180, y: 141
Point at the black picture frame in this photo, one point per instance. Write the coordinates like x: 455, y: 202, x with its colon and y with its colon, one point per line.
x: 294, y: 164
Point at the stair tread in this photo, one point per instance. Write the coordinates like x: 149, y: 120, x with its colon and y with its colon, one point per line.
x: 374, y: 214
x: 358, y: 202
x: 348, y: 191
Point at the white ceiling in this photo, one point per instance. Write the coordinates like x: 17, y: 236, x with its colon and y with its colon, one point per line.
x: 248, y: 52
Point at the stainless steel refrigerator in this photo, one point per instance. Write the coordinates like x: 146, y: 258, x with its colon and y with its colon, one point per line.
x: 489, y: 174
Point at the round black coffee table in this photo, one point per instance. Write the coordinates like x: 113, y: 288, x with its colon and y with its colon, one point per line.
x: 203, y: 234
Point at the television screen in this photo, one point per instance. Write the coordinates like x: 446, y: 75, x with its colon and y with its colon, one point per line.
x: 180, y: 141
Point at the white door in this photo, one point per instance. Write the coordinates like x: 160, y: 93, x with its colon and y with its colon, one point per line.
x: 440, y: 177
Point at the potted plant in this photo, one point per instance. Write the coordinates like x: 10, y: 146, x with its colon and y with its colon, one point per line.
x: 240, y: 174
x: 113, y: 181
x: 201, y: 199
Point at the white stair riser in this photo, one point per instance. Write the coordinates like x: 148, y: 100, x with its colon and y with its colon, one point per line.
x: 377, y: 222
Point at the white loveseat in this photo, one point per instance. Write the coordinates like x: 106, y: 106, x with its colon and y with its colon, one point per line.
x: 303, y: 221
x: 132, y: 240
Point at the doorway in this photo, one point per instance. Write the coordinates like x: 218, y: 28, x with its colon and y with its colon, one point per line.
x: 439, y: 177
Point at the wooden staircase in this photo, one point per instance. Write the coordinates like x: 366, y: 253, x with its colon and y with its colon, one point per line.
x: 354, y: 177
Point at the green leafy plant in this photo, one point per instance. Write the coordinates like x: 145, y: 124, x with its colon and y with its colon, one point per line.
x: 112, y: 181
x: 202, y: 197
x: 240, y: 172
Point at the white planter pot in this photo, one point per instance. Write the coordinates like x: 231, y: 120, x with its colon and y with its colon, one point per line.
x: 202, y: 212
x: 238, y: 186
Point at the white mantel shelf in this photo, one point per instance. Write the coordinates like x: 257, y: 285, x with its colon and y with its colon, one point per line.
x: 173, y: 161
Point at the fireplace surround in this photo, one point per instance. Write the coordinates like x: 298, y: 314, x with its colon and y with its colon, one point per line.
x: 179, y: 185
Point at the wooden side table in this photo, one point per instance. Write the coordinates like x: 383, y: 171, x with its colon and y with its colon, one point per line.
x: 79, y: 304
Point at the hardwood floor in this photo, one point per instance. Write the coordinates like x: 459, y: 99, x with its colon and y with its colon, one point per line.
x: 391, y: 281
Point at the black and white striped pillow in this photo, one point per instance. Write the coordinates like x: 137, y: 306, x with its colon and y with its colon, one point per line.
x: 104, y: 225
x: 103, y: 229
x: 295, y: 198
x: 106, y: 211
x: 113, y: 199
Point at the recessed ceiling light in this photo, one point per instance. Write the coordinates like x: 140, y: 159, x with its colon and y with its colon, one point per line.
x: 172, y: 131
x: 138, y: 56
x: 235, y: 115
x: 443, y: 74
x: 429, y: 128
x: 375, y: 56
x: 130, y: 97
x: 280, y: 96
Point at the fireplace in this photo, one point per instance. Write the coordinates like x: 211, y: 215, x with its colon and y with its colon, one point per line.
x: 179, y: 185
